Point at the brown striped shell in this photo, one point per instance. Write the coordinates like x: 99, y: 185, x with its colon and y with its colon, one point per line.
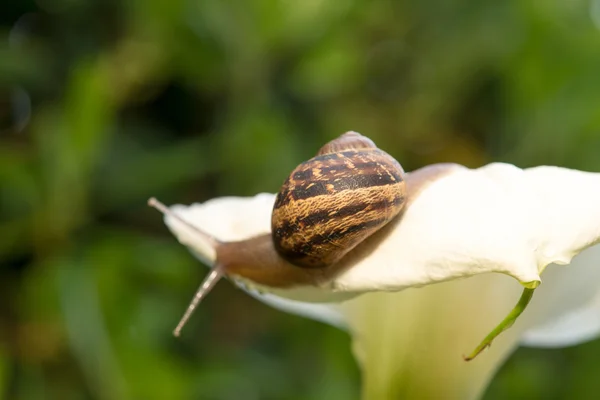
x: 332, y: 202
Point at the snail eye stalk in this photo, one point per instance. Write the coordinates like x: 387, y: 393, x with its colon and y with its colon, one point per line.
x: 213, y: 276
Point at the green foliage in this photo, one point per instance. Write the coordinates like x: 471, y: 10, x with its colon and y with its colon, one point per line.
x: 186, y: 100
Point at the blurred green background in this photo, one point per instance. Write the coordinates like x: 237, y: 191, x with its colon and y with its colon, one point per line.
x: 104, y: 103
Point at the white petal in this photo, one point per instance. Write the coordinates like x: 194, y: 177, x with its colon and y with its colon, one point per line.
x: 227, y: 218
x: 566, y: 308
x: 422, y: 332
x: 572, y: 328
x: 568, y: 205
x: 410, y: 344
x: 498, y: 218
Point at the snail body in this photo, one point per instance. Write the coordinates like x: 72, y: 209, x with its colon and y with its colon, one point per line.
x: 326, y: 207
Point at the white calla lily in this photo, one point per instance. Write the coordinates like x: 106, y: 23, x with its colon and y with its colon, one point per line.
x: 463, y: 223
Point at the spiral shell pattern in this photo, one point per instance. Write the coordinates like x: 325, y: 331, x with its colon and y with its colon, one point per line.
x: 332, y: 202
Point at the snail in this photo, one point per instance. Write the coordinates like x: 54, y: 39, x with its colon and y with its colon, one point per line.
x: 326, y: 207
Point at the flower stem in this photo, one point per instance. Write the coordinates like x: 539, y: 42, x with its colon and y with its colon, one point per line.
x: 505, y: 324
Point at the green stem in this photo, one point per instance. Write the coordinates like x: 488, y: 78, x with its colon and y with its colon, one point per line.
x: 505, y: 324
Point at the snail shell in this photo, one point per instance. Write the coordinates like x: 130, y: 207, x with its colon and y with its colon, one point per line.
x: 332, y: 202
